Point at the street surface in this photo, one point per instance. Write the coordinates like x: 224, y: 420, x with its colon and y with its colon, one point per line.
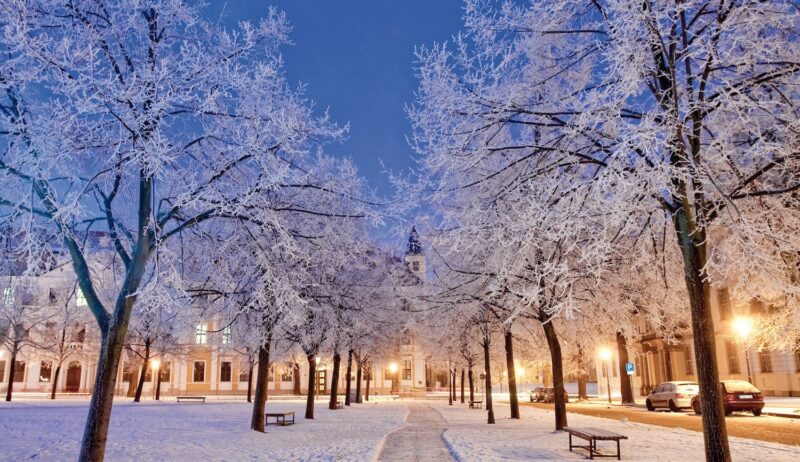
x: 764, y: 428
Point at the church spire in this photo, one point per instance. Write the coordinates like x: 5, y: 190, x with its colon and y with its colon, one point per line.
x: 414, y: 247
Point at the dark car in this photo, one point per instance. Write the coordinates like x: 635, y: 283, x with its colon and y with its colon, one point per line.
x: 549, y: 395
x: 737, y: 396
x: 537, y: 395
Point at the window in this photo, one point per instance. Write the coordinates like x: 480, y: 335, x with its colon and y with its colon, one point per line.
x: 164, y: 372
x: 8, y: 296
x: 80, y: 299
x: 638, y: 363
x: 796, y: 361
x: 199, y: 373
x: 733, y: 356
x: 765, y: 360
x: 757, y: 307
x: 200, y: 334
x: 226, y: 335
x: 724, y: 300
x: 244, y: 372
x: 406, y: 370
x: 45, y: 371
x: 51, y: 296
x: 415, y: 266
x: 286, y: 374
x: 148, y: 374
x: 225, y: 372
x: 271, y: 373
x: 687, y: 354
x: 614, y: 367
x: 3, y: 369
x: 19, y: 371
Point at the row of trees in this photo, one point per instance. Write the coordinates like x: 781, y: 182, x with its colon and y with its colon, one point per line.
x: 202, y: 171
x: 582, y: 157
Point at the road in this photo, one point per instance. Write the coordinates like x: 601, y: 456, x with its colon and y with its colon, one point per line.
x: 764, y: 428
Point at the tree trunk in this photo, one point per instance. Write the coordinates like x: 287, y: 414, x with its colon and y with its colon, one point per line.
x: 624, y: 379
x: 348, y: 377
x: 512, y: 375
x: 358, y: 382
x: 337, y: 359
x: 95, y: 433
x: 312, y: 378
x: 715, y: 433
x: 582, y: 379
x: 471, y: 377
x: 488, y: 381
x: 158, y: 383
x: 11, y: 369
x: 558, y: 374
x: 368, y: 376
x: 450, y: 379
x: 250, y: 384
x: 145, y: 366
x: 296, y: 379
x: 668, y: 364
x: 462, y: 385
x: 258, y: 418
x: 55, y: 382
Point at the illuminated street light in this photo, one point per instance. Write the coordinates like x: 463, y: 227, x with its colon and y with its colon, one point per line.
x: 155, y: 364
x: 743, y: 327
x: 605, y: 355
x: 393, y: 367
x: 395, y: 376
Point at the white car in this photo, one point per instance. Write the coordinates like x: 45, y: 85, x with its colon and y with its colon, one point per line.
x: 673, y: 396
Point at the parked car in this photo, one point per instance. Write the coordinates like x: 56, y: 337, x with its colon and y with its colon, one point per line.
x: 537, y: 395
x: 673, y: 396
x: 737, y: 395
x: 549, y: 395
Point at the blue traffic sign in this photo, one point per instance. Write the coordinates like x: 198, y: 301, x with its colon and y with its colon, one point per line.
x: 630, y: 368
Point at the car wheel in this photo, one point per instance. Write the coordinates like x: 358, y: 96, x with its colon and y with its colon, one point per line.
x: 673, y: 407
x: 728, y: 412
x: 696, y: 407
x: 649, y: 405
x: 756, y: 412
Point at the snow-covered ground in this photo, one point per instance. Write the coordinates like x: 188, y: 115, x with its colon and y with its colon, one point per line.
x: 533, y: 438
x: 218, y: 431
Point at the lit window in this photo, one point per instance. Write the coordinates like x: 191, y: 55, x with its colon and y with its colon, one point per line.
x: 201, y: 334
x: 733, y: 357
x: 225, y: 372
x: 80, y: 299
x: 8, y: 296
x: 406, y: 370
x: 199, y: 374
x: 226, y: 335
x: 724, y: 303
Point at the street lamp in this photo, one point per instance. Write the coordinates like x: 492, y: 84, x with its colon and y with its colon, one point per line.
x: 155, y: 364
x: 394, y: 370
x: 743, y: 327
x: 605, y: 355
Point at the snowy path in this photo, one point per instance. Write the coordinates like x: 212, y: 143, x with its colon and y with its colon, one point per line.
x: 420, y: 440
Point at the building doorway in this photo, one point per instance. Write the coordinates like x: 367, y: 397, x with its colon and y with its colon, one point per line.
x: 73, y: 377
x: 322, y: 379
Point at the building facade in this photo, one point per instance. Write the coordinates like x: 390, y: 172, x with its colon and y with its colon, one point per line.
x: 657, y: 360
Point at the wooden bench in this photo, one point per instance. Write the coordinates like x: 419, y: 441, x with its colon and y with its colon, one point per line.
x: 593, y: 435
x: 280, y: 418
x: 191, y: 398
x: 475, y: 404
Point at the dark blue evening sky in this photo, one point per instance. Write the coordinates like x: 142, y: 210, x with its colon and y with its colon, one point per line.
x: 357, y: 59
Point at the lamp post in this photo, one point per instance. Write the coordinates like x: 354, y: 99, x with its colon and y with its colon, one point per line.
x: 743, y: 327
x: 394, y: 371
x: 156, y: 366
x: 605, y: 355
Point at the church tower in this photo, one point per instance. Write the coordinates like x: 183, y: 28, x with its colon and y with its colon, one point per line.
x: 414, y: 257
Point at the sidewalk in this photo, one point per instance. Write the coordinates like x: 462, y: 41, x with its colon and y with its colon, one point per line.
x: 776, y: 406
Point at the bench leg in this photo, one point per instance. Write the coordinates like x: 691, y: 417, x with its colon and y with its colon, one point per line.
x: 618, y: 454
x: 570, y: 442
x: 592, y: 448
